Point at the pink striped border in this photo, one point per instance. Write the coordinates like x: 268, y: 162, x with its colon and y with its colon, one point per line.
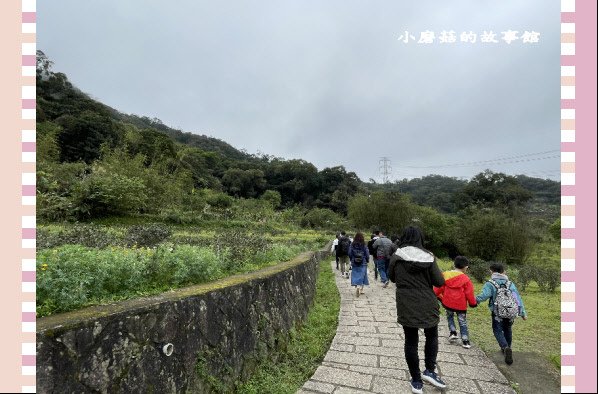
x: 578, y: 195
x: 28, y: 226
x: 567, y: 196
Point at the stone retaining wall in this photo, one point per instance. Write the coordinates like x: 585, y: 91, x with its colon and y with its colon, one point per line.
x: 217, y: 333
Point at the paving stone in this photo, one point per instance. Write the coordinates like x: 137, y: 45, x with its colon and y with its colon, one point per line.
x: 473, y: 351
x: 390, y: 330
x: 393, y: 343
x: 449, y: 357
x: 319, y: 387
x: 390, y: 386
x: 335, y: 365
x: 387, y: 372
x: 351, y: 358
x: 343, y: 377
x: 475, y: 360
x: 494, y: 388
x: 480, y: 373
x: 383, y: 336
x: 342, y: 347
x: 345, y: 328
x: 387, y: 318
x: 460, y: 384
x: 358, y: 340
x: 348, y: 390
x: 396, y: 362
x: 367, y: 313
x: 379, y: 350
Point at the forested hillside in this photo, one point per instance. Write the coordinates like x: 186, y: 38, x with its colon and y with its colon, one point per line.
x: 94, y: 161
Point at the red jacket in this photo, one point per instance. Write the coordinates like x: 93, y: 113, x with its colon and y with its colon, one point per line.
x: 457, y: 291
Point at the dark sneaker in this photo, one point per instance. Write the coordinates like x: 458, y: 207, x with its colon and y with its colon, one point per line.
x: 417, y: 387
x: 466, y: 344
x: 508, y: 356
x: 432, y: 378
x: 453, y: 336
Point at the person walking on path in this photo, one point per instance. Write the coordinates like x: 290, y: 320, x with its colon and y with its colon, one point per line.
x: 344, y: 243
x: 456, y: 293
x: 501, y: 292
x: 415, y: 272
x: 334, y: 248
x: 383, y: 248
x: 372, y: 252
x: 359, y: 257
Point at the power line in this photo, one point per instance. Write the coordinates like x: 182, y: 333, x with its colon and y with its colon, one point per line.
x: 502, y: 160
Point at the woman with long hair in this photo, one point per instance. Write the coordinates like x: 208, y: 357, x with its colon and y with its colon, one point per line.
x: 359, y: 256
x: 415, y: 272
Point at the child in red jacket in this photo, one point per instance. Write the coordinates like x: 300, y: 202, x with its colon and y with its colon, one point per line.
x: 456, y: 293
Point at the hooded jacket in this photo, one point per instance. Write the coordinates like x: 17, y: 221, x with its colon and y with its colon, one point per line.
x: 457, y: 291
x: 489, y: 292
x: 415, y: 272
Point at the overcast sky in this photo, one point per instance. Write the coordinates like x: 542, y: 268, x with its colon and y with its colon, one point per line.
x: 328, y: 81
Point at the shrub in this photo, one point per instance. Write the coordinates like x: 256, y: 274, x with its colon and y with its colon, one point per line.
x: 389, y: 212
x: 525, y: 275
x: 555, y: 229
x: 548, y: 279
x: 478, y: 269
x: 272, y: 197
x: 89, y: 235
x: 237, y: 248
x: 482, y: 234
x: 103, y: 193
x: 182, y: 265
x: 321, y: 218
x: 73, y: 276
x: 147, y: 235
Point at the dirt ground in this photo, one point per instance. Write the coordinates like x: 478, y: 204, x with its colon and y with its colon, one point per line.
x: 531, y: 371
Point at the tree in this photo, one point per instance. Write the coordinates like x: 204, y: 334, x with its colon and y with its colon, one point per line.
x: 489, y: 189
x: 389, y: 212
x: 243, y: 183
x: 82, y: 137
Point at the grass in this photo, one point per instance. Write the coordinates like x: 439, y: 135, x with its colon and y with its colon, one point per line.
x: 540, y: 333
x: 308, y: 344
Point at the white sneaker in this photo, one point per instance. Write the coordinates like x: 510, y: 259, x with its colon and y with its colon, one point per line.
x: 453, y: 336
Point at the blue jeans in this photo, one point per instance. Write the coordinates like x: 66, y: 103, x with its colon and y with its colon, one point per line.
x: 381, y: 265
x: 462, y: 319
x: 503, y: 331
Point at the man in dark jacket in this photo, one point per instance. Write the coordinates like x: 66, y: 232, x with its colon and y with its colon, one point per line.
x: 415, y: 272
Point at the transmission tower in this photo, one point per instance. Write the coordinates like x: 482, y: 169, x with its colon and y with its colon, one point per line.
x: 385, y: 169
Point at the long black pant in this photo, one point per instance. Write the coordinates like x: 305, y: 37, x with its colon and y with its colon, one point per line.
x: 430, y: 350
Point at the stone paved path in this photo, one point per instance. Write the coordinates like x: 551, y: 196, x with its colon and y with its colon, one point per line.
x: 366, y: 355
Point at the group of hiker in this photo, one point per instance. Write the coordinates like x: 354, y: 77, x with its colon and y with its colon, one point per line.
x: 421, y: 287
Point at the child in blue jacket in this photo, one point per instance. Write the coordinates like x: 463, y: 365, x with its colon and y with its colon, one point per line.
x: 502, y: 328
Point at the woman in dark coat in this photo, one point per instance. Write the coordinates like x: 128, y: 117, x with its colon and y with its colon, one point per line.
x: 415, y: 272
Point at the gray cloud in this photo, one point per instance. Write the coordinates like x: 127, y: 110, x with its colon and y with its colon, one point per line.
x: 327, y: 82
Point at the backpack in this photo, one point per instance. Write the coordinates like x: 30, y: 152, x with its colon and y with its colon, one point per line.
x: 505, y: 304
x: 343, y: 246
x: 358, y: 255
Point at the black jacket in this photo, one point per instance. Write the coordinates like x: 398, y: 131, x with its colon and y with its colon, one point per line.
x: 415, y: 272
